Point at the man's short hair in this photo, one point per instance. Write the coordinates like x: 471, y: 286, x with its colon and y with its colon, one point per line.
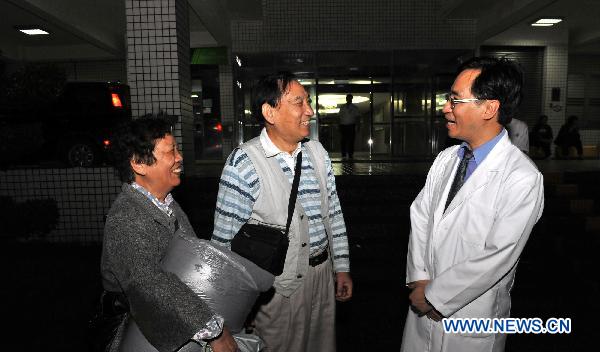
x: 269, y: 89
x: 136, y: 140
x: 349, y: 96
x: 500, y: 79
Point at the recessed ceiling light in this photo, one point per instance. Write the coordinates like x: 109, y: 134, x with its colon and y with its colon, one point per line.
x: 546, y: 22
x: 549, y: 20
x: 32, y: 30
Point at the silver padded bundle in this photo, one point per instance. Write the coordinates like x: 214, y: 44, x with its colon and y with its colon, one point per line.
x: 227, y: 282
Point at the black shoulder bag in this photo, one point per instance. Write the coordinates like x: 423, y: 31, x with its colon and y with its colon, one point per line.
x: 103, y: 326
x: 264, y: 245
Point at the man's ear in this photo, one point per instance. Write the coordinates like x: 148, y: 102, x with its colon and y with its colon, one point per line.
x: 138, y: 168
x: 492, y: 109
x: 268, y: 112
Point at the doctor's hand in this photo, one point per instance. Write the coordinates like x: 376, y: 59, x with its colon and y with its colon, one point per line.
x: 414, y: 284
x: 343, y: 291
x: 435, y: 315
x: 224, y: 343
x: 417, y: 297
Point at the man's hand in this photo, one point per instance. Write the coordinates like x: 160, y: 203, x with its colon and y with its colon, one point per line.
x: 224, y: 343
x: 435, y: 315
x: 343, y: 290
x: 417, y: 297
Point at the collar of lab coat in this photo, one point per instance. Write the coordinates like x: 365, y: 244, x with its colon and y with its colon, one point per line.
x: 490, y: 166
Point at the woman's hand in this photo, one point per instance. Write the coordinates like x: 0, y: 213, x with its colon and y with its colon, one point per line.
x: 224, y: 343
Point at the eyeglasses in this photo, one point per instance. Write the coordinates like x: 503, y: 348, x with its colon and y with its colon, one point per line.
x: 453, y: 101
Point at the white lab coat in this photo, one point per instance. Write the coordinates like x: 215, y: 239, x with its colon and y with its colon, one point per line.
x: 470, y: 251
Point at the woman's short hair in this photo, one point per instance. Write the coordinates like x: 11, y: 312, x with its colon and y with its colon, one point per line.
x: 135, y: 141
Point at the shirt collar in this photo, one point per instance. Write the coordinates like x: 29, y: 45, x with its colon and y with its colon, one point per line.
x: 483, y: 150
x: 271, y: 149
x: 165, y: 206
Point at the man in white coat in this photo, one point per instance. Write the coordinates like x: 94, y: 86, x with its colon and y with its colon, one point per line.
x: 518, y: 133
x: 472, y: 218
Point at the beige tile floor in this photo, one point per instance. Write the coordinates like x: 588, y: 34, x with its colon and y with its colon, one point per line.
x: 403, y: 166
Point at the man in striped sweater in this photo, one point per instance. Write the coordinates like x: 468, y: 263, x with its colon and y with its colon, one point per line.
x: 255, y: 187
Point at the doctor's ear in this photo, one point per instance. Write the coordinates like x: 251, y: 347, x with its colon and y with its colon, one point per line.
x: 268, y: 112
x: 492, y: 108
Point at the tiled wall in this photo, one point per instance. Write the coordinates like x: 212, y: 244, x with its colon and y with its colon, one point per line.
x: 584, y: 78
x: 83, y: 197
x: 158, y: 65
x: 289, y: 25
x: 590, y: 137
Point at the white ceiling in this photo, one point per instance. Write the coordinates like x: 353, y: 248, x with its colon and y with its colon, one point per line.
x: 75, y: 29
x: 95, y: 29
x: 509, y: 22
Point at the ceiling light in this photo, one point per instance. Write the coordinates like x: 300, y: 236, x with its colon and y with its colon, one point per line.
x: 329, y: 111
x: 549, y: 20
x: 362, y: 81
x: 333, y: 100
x: 546, y: 22
x: 306, y: 82
x: 32, y: 31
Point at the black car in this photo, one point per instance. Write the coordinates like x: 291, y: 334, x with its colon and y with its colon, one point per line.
x: 75, y: 128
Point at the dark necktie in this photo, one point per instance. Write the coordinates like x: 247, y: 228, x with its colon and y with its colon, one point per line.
x: 459, y: 178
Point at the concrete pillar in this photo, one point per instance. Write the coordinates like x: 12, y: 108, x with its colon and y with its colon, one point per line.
x: 227, y: 108
x: 158, y: 66
x: 556, y: 66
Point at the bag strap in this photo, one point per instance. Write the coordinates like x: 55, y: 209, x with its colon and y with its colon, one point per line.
x: 317, y: 153
x: 294, y: 193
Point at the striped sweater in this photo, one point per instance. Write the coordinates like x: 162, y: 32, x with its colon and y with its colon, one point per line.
x: 239, y: 188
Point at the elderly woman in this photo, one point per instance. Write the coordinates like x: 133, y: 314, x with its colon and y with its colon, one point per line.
x: 141, y: 222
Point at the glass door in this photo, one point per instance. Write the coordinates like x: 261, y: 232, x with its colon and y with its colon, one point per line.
x: 411, y: 107
x: 332, y: 95
x: 399, y: 96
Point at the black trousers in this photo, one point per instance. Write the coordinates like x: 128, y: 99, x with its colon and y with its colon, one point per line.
x: 348, y: 134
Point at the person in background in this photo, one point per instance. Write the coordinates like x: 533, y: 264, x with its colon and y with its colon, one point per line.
x: 568, y: 136
x: 518, y: 134
x: 349, y: 115
x: 140, y: 224
x: 541, y: 136
x: 471, y: 220
x: 255, y: 187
